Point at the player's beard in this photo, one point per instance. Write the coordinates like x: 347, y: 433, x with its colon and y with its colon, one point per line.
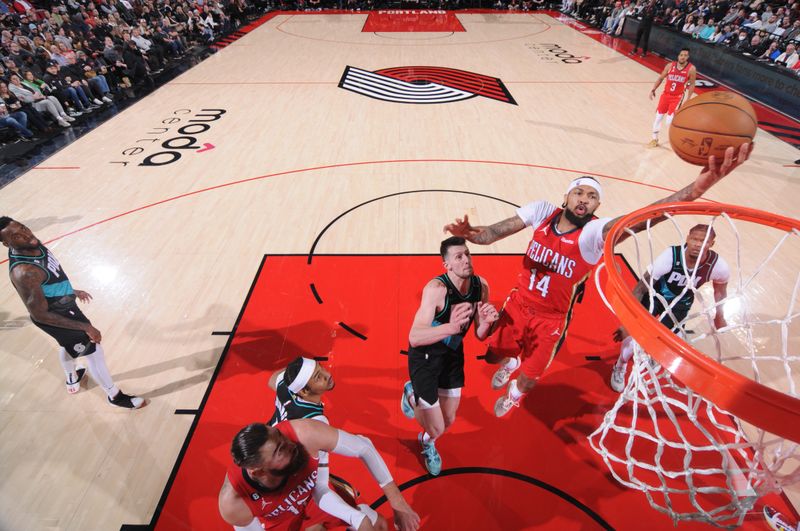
x: 578, y: 221
x: 299, y: 461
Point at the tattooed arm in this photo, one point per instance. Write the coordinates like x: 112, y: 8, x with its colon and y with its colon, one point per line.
x: 28, y: 280
x: 711, y: 175
x: 485, y: 235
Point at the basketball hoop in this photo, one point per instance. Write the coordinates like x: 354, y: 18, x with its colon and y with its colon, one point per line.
x: 707, y: 425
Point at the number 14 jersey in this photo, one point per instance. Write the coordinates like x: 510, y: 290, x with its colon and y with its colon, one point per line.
x: 556, y: 264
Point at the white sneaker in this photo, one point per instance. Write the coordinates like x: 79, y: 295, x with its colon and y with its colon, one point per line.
x: 502, y: 375
x: 618, y: 377
x: 63, y: 123
x: 68, y: 118
x: 504, y: 404
x: 75, y: 386
x: 97, y: 101
x: 106, y: 99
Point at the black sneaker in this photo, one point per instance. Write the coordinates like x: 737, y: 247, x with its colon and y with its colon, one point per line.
x: 74, y: 387
x: 126, y: 401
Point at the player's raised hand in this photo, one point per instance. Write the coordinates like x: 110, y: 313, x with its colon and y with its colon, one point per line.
x: 461, y: 316
x: 715, y: 171
x: 487, y: 312
x: 462, y: 228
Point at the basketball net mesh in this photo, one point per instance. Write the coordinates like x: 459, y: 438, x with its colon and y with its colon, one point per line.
x: 693, y: 460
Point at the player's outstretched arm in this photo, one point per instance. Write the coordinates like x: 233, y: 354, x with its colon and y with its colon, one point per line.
x: 485, y: 235
x: 316, y: 436
x: 711, y: 175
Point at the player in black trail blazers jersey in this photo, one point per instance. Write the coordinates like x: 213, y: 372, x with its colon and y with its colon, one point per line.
x: 50, y: 299
x: 450, y: 302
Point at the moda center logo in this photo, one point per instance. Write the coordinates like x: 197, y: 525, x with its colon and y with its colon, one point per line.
x: 555, y: 53
x: 423, y: 84
x: 182, y: 131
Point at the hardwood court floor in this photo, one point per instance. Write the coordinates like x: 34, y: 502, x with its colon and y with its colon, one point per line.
x: 170, y: 251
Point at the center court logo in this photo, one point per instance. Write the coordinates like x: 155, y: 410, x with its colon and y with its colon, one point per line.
x: 554, y: 53
x: 423, y: 84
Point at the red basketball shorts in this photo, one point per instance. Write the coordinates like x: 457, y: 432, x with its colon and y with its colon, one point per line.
x: 533, y: 336
x: 667, y: 104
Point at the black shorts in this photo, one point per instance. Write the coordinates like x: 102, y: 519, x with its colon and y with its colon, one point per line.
x: 75, y: 342
x: 430, y: 372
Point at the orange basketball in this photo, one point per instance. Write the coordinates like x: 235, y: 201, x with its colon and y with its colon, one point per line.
x: 711, y: 123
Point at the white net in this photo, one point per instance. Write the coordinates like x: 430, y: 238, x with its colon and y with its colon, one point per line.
x: 693, y: 460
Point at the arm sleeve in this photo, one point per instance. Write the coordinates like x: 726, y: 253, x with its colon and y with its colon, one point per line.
x: 534, y: 213
x: 591, y: 240
x: 721, y: 272
x: 359, y: 446
x: 661, y: 265
x: 329, y: 501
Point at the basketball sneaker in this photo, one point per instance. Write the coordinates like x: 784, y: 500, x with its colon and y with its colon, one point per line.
x: 75, y: 386
x: 504, y: 404
x: 777, y: 521
x: 653, y: 143
x: 433, y: 461
x: 126, y: 401
x: 618, y: 377
x: 405, y: 401
x: 502, y: 375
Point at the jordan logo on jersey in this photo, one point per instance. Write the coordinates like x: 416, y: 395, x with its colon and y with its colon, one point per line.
x: 551, y: 259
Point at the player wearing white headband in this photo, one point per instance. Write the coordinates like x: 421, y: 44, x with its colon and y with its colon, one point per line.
x: 299, y: 389
x: 566, y: 243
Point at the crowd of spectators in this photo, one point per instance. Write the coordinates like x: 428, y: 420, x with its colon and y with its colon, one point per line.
x: 768, y: 32
x: 64, y: 60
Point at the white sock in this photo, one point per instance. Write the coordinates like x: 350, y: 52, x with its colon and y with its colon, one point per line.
x: 669, y: 119
x: 626, y: 352
x: 96, y: 365
x: 657, y: 125
x: 427, y: 438
x: 68, y: 364
x: 512, y: 363
x: 513, y: 391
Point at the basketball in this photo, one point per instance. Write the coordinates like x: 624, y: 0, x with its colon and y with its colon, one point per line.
x: 709, y: 124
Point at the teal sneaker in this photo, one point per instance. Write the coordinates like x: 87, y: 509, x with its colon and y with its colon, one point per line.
x: 405, y: 403
x: 433, y: 461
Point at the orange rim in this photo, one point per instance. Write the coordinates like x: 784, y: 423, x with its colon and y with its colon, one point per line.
x: 756, y: 404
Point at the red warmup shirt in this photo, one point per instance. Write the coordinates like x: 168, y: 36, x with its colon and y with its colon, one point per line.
x: 285, y: 506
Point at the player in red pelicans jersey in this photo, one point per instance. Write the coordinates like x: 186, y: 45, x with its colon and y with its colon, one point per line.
x: 680, y: 76
x: 566, y: 243
x: 275, y: 475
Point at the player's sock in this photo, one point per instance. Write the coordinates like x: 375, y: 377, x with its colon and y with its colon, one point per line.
x: 657, y: 125
x: 513, y: 391
x: 669, y: 119
x: 96, y: 364
x: 427, y: 438
x: 626, y: 352
x: 511, y: 363
x: 68, y: 364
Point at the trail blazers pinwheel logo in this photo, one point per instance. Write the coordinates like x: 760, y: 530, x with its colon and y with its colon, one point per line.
x: 423, y: 84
